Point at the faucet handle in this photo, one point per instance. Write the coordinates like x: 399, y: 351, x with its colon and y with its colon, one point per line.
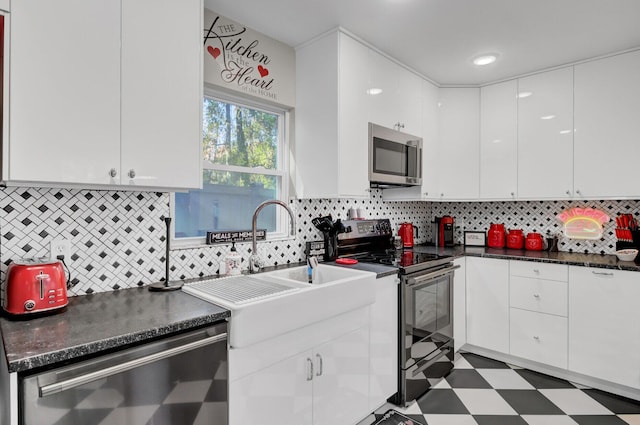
x: 255, y: 263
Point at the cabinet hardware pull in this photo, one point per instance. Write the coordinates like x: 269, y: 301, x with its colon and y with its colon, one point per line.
x: 426, y: 194
x: 319, y: 372
x: 568, y: 192
x: 536, y: 337
x: 442, y: 194
x: 309, y: 369
x: 602, y: 273
x: 132, y: 173
x: 513, y: 194
x: 113, y: 172
x: 578, y: 192
x: 536, y: 295
x: 536, y: 270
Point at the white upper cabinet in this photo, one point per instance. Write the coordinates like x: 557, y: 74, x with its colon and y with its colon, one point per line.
x: 5, y: 5
x: 161, y: 93
x: 98, y: 94
x: 398, y: 105
x: 545, y: 135
x: 332, y: 118
x: 607, y: 128
x: 65, y: 92
x: 499, y: 141
x: 459, y: 147
x: 430, y: 148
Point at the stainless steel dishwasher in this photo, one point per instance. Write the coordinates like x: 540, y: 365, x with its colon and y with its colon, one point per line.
x: 176, y: 380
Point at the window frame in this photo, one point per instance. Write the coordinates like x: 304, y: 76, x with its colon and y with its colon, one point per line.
x: 281, y: 173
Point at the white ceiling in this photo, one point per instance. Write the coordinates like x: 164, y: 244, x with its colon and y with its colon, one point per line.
x: 438, y: 38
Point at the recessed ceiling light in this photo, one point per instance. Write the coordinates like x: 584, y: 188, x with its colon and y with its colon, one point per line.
x: 496, y: 141
x: 547, y: 117
x: 565, y: 131
x: 524, y: 94
x: 485, y: 59
x: 374, y: 91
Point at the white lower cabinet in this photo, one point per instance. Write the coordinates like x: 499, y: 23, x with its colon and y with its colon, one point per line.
x: 539, y: 337
x: 341, y: 379
x: 604, y: 336
x: 327, y: 385
x: 487, y: 294
x: 459, y: 304
x: 383, y: 354
x: 278, y: 394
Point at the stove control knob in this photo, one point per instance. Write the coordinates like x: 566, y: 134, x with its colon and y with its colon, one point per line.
x: 29, y: 305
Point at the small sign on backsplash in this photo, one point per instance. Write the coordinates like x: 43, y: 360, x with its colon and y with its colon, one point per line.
x: 228, y: 236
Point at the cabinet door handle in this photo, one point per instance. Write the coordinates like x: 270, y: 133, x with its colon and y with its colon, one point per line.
x: 602, y: 273
x: 568, y: 192
x: 536, y: 295
x: 536, y: 337
x: 578, y: 192
x: 536, y: 271
x: 513, y: 194
x: 113, y: 172
x: 319, y: 372
x: 309, y: 369
x: 132, y: 173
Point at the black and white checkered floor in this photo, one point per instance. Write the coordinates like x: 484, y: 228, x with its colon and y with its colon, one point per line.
x: 482, y: 391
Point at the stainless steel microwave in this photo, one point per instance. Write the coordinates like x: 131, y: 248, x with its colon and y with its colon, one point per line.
x: 395, y: 158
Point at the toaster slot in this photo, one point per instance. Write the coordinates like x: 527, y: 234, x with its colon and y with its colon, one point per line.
x: 41, y: 278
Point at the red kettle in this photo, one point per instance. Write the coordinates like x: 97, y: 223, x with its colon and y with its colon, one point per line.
x: 406, y: 234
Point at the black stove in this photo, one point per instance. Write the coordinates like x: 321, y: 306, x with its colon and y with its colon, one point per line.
x: 370, y: 241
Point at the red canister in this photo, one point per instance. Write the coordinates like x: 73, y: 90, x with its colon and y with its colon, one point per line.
x: 515, y: 239
x: 496, y: 236
x: 534, y: 242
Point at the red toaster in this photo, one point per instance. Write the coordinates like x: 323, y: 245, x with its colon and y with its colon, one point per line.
x: 35, y: 285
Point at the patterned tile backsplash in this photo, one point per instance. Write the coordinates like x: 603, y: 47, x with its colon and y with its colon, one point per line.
x: 118, y: 238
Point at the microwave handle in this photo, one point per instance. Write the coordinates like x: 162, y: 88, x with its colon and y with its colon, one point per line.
x: 58, y: 387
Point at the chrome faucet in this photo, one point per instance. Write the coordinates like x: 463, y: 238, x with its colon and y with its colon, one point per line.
x: 255, y: 263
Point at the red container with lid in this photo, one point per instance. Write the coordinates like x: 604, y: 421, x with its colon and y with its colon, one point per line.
x: 496, y: 236
x: 515, y: 239
x: 534, y: 242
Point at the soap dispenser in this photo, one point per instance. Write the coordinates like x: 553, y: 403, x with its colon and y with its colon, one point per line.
x: 233, y: 261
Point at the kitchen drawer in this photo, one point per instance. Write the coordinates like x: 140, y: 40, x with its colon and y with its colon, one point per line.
x: 559, y: 272
x: 539, y: 337
x: 543, y: 296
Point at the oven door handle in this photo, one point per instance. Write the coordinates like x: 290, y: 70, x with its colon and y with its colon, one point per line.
x: 413, y: 281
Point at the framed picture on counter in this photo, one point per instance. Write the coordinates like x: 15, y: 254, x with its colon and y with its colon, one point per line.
x: 473, y: 238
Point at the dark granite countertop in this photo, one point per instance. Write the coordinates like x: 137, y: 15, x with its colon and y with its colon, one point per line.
x: 100, y: 322
x: 569, y: 258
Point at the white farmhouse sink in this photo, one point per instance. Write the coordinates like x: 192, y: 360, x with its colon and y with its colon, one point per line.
x: 286, y: 301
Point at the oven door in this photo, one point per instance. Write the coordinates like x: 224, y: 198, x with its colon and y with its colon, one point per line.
x: 428, y: 315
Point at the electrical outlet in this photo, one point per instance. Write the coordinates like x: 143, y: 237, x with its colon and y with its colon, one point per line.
x: 61, y: 247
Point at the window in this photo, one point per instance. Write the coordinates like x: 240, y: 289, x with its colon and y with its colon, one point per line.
x: 243, y: 148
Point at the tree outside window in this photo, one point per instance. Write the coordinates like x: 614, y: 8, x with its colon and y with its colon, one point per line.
x: 242, y: 153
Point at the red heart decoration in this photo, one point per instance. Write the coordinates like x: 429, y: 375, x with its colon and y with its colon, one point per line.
x: 263, y: 71
x: 213, y: 51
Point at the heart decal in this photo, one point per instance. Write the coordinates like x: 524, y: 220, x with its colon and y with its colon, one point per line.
x: 213, y: 51
x: 263, y: 71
